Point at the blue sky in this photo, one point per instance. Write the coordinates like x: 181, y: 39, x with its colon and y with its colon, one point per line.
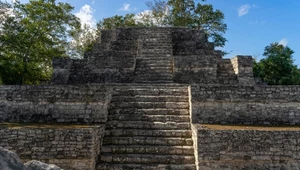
x: 252, y: 24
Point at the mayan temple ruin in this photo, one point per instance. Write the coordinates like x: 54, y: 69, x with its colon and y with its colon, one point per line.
x: 153, y: 99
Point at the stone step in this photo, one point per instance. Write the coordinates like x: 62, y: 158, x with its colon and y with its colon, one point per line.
x: 153, y: 80
x: 166, y: 47
x: 146, y: 105
x: 142, y: 65
x: 225, y: 72
x: 156, y: 87
x: 151, y: 73
x: 161, y: 69
x: 230, y: 77
x: 146, y: 159
x: 166, y: 67
x: 142, y: 149
x: 162, y: 81
x: 156, y: 32
x: 145, y: 167
x: 225, y: 67
x: 154, y: 57
x: 153, y: 111
x: 147, y: 125
x: 114, y: 53
x: 154, y: 73
x: 156, y: 44
x: 153, y: 77
x: 154, y: 63
x: 141, y: 98
x: 157, y: 40
x: 150, y: 92
x: 140, y: 140
x: 162, y: 35
x: 152, y: 86
x: 149, y: 53
x: 161, y: 72
x: 156, y: 51
x: 149, y: 133
x: 153, y: 70
x: 146, y: 50
x: 150, y: 118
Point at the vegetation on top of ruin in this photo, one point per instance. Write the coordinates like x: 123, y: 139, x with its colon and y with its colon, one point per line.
x: 277, y: 68
x: 185, y: 13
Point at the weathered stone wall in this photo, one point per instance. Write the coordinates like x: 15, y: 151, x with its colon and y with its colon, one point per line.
x: 112, y: 59
x: 253, y: 105
x: 243, y: 68
x: 190, y: 42
x: 246, y: 148
x: 225, y: 73
x: 195, y: 60
x: 195, y: 69
x: 71, y: 147
x: 54, y: 104
x: 62, y: 69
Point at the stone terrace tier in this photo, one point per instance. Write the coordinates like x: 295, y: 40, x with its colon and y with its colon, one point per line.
x: 247, y: 147
x: 153, y: 55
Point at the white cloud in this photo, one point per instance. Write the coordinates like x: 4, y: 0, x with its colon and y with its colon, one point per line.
x: 125, y: 7
x: 244, y: 9
x: 85, y: 15
x: 283, y: 42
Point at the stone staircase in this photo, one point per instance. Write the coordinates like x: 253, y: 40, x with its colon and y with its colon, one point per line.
x: 148, y: 128
x: 154, y: 63
x: 226, y: 73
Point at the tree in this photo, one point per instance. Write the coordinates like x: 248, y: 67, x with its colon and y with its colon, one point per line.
x: 182, y: 12
x: 31, y: 36
x: 200, y: 16
x: 83, y: 40
x: 158, y: 14
x: 277, y: 68
x: 5, y: 10
x: 118, y: 21
x: 212, y: 22
x: 185, y: 13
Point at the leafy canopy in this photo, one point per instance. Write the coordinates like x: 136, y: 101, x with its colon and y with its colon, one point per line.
x: 185, y: 13
x: 118, y: 21
x: 30, y: 36
x: 277, y: 67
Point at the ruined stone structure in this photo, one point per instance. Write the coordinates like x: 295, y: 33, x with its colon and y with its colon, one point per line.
x: 153, y: 98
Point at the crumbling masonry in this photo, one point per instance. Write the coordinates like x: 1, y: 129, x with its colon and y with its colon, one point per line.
x: 153, y: 98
